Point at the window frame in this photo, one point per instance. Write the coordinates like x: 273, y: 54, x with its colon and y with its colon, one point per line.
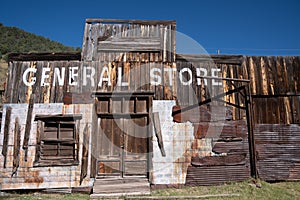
x: 42, y: 121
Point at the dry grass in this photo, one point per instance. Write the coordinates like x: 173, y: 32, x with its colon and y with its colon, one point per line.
x: 243, y: 190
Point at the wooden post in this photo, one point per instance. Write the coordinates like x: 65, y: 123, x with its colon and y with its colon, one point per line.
x: 28, y: 125
x: 85, y: 153
x: 17, y: 139
x: 251, y: 140
x: 157, y: 128
x: 6, y: 135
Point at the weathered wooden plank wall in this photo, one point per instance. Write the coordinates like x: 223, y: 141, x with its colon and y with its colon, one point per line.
x: 274, y: 81
x: 276, y: 102
x: 204, y: 88
x: 17, y: 92
x: 275, y: 88
x: 126, y: 51
x: 140, y: 40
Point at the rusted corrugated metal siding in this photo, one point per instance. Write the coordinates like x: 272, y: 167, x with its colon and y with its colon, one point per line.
x: 228, y: 159
x: 216, y: 175
x: 275, y: 91
x: 278, y: 152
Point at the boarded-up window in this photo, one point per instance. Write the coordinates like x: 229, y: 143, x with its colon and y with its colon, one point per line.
x: 57, y: 141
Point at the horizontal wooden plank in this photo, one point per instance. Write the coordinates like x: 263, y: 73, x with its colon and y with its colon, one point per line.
x: 123, y: 94
x: 122, y: 115
x: 128, y: 44
x: 230, y: 147
x: 145, y: 22
x: 48, y: 163
x: 218, y: 59
x: 44, y: 56
x: 228, y: 129
x: 65, y: 117
x: 230, y: 159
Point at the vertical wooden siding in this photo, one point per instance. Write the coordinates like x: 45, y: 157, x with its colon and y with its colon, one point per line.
x: 275, y: 88
x: 274, y: 82
x: 18, y: 92
x: 97, y: 30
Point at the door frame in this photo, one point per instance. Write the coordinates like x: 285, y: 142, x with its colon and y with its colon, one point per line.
x: 136, y: 112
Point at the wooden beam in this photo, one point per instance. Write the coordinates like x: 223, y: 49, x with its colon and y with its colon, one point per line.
x: 122, y: 115
x: 225, y: 79
x: 200, y: 103
x: 218, y: 59
x: 54, y: 118
x: 85, y: 152
x: 275, y: 95
x: 157, y: 129
x: 115, y: 44
x: 6, y: 134
x: 44, y: 56
x: 17, y: 140
x: 144, y: 22
x: 234, y: 159
x: 28, y: 125
x: 251, y: 139
x: 121, y: 94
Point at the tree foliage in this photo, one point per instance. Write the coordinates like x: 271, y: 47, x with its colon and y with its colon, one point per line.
x: 15, y: 40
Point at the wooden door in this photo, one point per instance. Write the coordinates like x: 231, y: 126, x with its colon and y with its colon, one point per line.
x: 123, y: 135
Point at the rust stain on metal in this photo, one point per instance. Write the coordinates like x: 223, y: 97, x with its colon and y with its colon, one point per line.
x: 278, y: 151
x: 35, y: 178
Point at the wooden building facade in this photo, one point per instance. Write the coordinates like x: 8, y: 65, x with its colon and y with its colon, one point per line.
x: 129, y: 111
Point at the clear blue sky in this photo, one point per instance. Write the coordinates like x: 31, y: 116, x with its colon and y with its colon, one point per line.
x: 265, y: 27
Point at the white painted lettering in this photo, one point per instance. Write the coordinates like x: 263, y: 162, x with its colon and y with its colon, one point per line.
x: 73, y: 72
x: 45, y: 76
x: 59, y: 77
x: 170, y: 73
x: 155, y: 78
x: 33, y: 79
x: 104, y: 76
x: 203, y: 74
x: 120, y: 83
x: 214, y: 73
x: 90, y: 76
x: 182, y: 79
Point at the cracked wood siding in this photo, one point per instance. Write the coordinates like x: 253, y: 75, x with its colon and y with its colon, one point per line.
x: 133, y: 46
x: 152, y: 41
x: 203, y: 88
x: 17, y: 145
x: 275, y: 88
x: 18, y: 92
x: 274, y: 84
